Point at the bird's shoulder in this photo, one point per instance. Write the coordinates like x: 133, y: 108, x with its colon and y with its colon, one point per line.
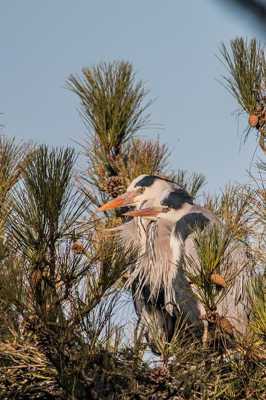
x: 196, y: 217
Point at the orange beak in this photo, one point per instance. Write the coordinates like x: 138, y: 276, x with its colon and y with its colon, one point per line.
x: 145, y: 212
x: 121, y: 201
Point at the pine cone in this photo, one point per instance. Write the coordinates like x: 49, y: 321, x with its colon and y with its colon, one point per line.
x: 115, y: 186
x: 226, y: 326
x: 101, y: 171
x: 36, y: 277
x: 253, y: 120
x: 218, y: 280
x: 78, y: 248
x: 159, y: 374
x: 211, y: 316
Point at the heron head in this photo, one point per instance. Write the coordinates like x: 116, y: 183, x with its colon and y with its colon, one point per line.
x: 143, y: 189
x: 169, y: 205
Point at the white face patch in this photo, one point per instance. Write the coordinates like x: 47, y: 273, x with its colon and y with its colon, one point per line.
x: 154, y: 189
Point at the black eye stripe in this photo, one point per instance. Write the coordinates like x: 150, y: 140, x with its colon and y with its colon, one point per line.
x: 146, y: 181
x: 176, y: 199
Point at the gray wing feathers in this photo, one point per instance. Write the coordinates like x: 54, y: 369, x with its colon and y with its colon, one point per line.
x: 235, y: 305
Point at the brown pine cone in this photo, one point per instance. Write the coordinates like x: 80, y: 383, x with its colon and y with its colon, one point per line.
x: 101, y: 171
x: 36, y: 277
x: 115, y: 186
x: 253, y: 120
x: 159, y: 374
x: 226, y: 326
x: 218, y: 280
x: 78, y: 248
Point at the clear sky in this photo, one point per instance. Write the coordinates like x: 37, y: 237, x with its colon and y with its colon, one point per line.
x: 172, y: 45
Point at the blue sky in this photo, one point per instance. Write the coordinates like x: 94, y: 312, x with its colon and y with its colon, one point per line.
x: 172, y: 45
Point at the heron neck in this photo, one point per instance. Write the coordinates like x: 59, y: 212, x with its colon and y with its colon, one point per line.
x: 183, y: 210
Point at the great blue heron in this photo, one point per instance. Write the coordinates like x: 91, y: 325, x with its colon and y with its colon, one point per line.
x: 186, y: 219
x: 162, y: 228
x: 158, y: 287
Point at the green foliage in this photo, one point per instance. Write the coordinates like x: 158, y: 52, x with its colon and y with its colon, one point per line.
x: 44, y: 205
x: 62, y: 274
x: 192, y: 182
x: 246, y: 65
x: 12, y: 294
x: 258, y: 209
x: 112, y: 103
x: 137, y: 157
x: 142, y: 157
x: 212, y: 248
x: 225, y: 260
x: 174, y: 348
x: 258, y: 299
x: 26, y: 373
x: 13, y: 158
x: 232, y: 207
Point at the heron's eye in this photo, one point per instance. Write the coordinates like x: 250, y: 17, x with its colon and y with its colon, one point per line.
x: 165, y: 209
x: 141, y: 190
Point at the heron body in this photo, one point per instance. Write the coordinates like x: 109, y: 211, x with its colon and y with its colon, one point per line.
x: 162, y: 230
x: 154, y: 280
x: 187, y: 218
x: 151, y: 277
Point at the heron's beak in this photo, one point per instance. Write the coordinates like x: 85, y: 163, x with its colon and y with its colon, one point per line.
x: 145, y: 212
x: 125, y: 199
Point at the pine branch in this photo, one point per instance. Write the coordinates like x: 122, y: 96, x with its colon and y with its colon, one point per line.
x: 112, y: 105
x: 244, y: 62
x: 246, y: 65
x: 191, y: 182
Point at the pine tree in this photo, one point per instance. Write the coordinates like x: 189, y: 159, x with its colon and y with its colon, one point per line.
x: 62, y: 275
